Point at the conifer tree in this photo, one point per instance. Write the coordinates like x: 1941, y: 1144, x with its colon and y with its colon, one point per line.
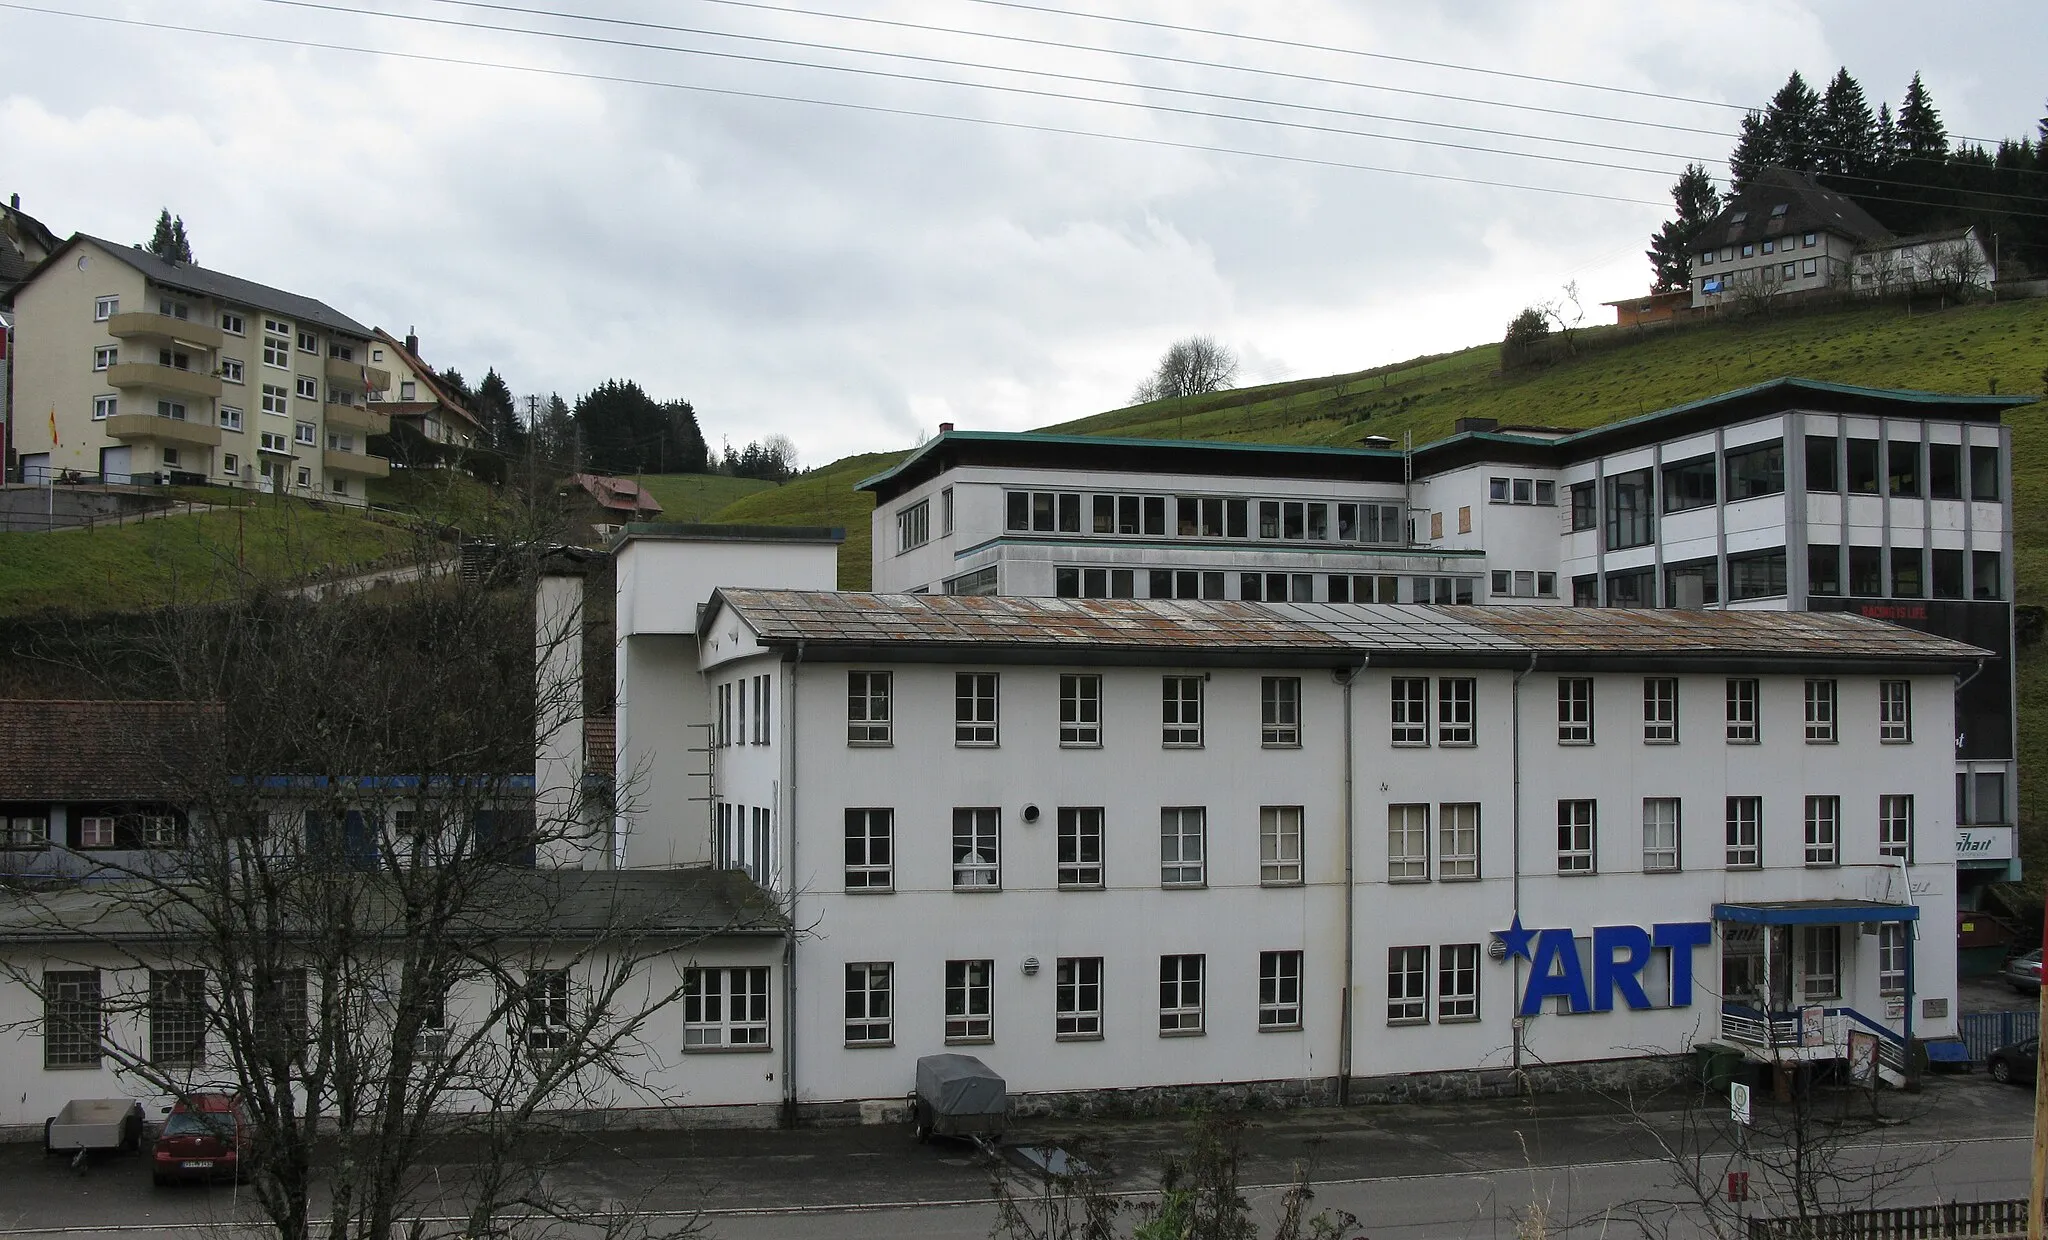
x: 1921, y: 132
x: 170, y: 241
x: 1755, y: 150
x: 1848, y: 136
x: 1670, y: 251
x: 1887, y: 138
x: 1793, y: 121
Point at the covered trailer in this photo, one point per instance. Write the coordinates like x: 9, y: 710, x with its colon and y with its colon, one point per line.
x: 958, y: 1096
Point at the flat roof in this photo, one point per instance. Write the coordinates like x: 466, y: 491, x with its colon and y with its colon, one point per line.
x: 690, y: 531
x: 937, y: 627
x: 1814, y: 912
x: 1032, y: 449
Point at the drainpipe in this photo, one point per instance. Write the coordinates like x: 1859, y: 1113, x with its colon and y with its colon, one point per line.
x: 789, y: 722
x: 1515, y: 840
x: 1344, y: 1013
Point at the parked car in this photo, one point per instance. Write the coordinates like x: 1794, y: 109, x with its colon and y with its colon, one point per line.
x: 2024, y: 972
x: 2014, y: 1064
x: 205, y: 1137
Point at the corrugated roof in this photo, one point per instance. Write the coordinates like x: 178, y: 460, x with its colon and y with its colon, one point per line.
x: 622, y: 904
x: 221, y: 286
x: 1342, y: 632
x: 100, y: 751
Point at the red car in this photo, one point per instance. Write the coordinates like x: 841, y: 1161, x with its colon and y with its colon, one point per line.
x: 205, y: 1137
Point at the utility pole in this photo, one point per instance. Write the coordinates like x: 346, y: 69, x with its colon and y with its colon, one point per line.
x: 2040, y: 1168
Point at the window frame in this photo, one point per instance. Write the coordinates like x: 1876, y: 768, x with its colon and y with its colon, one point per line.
x: 1658, y: 848
x: 544, y: 1010
x: 1573, y: 856
x: 1180, y: 867
x: 879, y: 733
x: 718, y: 1024
x: 970, y: 1002
x: 1180, y: 701
x: 1744, y: 710
x: 1280, y: 846
x: 74, y: 1021
x: 1822, y: 711
x: 1408, y: 985
x: 1280, y: 712
x: 1895, y: 826
x: 1457, y: 711
x: 1743, y: 835
x: 1457, y: 983
x: 1181, y: 977
x: 1081, y: 830
x: 1575, y: 710
x: 1077, y: 999
x: 1455, y: 861
x: 970, y: 703
x: 913, y: 526
x: 1660, y: 710
x: 1280, y: 991
x: 1822, y: 834
x: 1408, y: 825
x: 982, y: 826
x: 1894, y: 712
x: 863, y: 1021
x: 1408, y: 711
x: 874, y: 877
x: 1080, y: 710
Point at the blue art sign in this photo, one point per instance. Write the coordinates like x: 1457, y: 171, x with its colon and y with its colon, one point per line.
x: 1620, y: 954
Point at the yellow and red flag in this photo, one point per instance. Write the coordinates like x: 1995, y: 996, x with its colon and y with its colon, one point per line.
x: 54, y: 441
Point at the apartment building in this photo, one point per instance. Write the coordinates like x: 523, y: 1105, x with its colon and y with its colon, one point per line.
x: 1790, y: 495
x: 143, y: 369
x: 24, y: 242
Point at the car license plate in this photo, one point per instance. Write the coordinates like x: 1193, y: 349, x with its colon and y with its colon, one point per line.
x: 198, y: 1166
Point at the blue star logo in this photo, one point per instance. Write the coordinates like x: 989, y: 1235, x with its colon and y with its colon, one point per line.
x: 1519, y: 941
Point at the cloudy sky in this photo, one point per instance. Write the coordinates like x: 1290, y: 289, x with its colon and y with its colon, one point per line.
x: 850, y: 220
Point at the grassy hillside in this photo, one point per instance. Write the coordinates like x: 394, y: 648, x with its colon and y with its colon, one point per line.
x: 192, y: 556
x: 824, y: 496
x: 698, y: 497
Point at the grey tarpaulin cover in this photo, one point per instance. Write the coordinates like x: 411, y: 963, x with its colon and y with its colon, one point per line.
x: 959, y: 1085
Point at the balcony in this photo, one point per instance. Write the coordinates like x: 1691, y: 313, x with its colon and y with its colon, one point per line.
x: 357, y: 418
x: 356, y: 375
x: 141, y: 325
x: 133, y: 426
x: 200, y: 383
x: 355, y: 463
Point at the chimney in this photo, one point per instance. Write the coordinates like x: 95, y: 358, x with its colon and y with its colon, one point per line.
x: 1477, y: 424
x: 412, y: 341
x: 14, y: 201
x: 945, y: 428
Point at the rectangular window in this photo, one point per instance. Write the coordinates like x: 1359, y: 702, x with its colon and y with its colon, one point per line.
x: 230, y: 370
x: 171, y: 409
x: 1180, y: 711
x: 177, y: 1017
x: 1946, y: 574
x: 1863, y: 477
x: 232, y: 324
x: 867, y: 708
x: 870, y: 1004
x: 1407, y: 985
x: 974, y: 708
x: 230, y: 418
x: 1411, y: 710
x: 1866, y: 572
x: 1183, y: 834
x: 1893, y: 942
x: 1457, y: 982
x: 72, y: 1021
x: 1895, y: 826
x: 105, y: 308
x: 96, y: 831
x: 1745, y: 833
x: 277, y: 351
x: 977, y: 844
x: 1822, y: 473
x: 1457, y: 840
x: 104, y: 407
x: 1180, y: 994
x: 1585, y: 512
x: 309, y: 343
x: 913, y: 526
x: 25, y: 831
x: 1690, y: 484
x: 1908, y: 573
x: 1895, y: 712
x: 1984, y: 576
x: 1823, y: 830
x: 1279, y: 990
x: 1820, y: 959
x: 1575, y: 710
x: 1660, y: 710
x: 1280, y: 845
x: 1944, y: 471
x: 1080, y: 847
x: 1497, y: 490
x: 1820, y: 712
x: 946, y: 511
x: 870, y: 849
x: 546, y: 998
x: 1280, y: 712
x: 1077, y: 997
x: 1984, y: 480
x: 304, y: 432
x: 1902, y: 468
x: 1575, y: 837
x: 722, y: 1008
x: 1630, y: 521
x: 276, y: 400
x: 1081, y: 711
x: 106, y: 356
x: 1660, y: 834
x: 308, y: 389
x: 1743, y: 725
x: 1407, y: 843
x: 970, y: 1000
x: 1823, y: 569
x: 273, y: 441
x: 1456, y: 700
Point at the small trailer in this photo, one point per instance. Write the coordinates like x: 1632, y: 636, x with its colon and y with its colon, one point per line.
x: 89, y: 1126
x: 958, y: 1096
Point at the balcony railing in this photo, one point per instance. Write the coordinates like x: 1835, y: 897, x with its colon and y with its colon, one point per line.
x: 142, y: 325
x: 125, y: 375
x: 340, y: 462
x: 356, y: 375
x: 126, y: 426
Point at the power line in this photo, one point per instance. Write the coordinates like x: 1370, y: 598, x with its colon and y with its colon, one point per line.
x: 1065, y: 96
x: 848, y: 105
x: 1062, y: 45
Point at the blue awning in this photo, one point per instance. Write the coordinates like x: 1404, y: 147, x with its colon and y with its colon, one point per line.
x: 1815, y: 912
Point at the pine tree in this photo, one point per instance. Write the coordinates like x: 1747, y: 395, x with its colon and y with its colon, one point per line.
x: 170, y: 242
x: 1920, y: 129
x: 500, y: 414
x: 1887, y: 138
x: 1793, y: 121
x: 1670, y: 251
x: 1848, y: 136
x: 1755, y: 150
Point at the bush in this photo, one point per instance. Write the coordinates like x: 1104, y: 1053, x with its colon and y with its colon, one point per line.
x: 1526, y: 334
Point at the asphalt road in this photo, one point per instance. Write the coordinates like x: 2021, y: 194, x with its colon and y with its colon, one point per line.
x: 1469, y: 1169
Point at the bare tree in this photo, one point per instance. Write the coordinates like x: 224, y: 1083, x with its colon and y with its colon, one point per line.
x: 360, y: 916
x: 1958, y: 269
x: 1192, y: 366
